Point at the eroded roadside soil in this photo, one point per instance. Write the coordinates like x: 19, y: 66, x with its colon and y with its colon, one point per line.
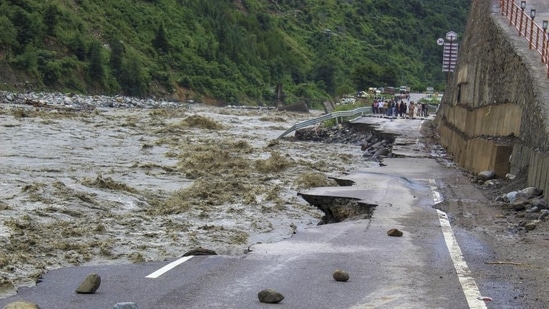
x: 110, y: 185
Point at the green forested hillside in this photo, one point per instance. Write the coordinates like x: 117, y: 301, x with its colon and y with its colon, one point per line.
x: 231, y: 51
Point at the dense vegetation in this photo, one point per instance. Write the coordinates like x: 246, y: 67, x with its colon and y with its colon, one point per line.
x: 234, y: 51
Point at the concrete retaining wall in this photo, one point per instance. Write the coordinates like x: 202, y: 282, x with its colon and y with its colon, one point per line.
x: 476, y: 154
x: 539, y: 170
x: 495, y: 110
x: 491, y: 120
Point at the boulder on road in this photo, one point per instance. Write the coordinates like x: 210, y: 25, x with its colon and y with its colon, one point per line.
x: 340, y: 275
x: 90, y: 285
x: 270, y: 296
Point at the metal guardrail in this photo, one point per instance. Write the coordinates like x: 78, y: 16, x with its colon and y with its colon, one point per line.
x: 350, y: 113
x: 532, y: 32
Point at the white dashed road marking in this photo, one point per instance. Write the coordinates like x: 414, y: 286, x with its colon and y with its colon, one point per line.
x: 169, y: 267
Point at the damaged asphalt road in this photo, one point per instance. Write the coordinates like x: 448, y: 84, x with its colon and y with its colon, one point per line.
x: 391, y: 272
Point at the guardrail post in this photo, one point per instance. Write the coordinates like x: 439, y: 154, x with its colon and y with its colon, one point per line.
x: 516, y: 15
x: 532, y: 16
x: 522, y: 7
x: 511, y: 9
x: 544, y: 26
x: 507, y: 9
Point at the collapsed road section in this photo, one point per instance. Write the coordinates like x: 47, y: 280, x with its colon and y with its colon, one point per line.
x: 339, y: 205
x: 379, y: 139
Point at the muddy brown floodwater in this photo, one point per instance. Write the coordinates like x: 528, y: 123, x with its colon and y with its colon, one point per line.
x: 106, y: 186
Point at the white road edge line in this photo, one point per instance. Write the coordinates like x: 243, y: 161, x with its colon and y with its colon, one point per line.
x: 468, y: 284
x: 169, y: 267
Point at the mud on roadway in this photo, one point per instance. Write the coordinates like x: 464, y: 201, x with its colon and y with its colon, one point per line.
x: 510, y: 263
x: 129, y: 185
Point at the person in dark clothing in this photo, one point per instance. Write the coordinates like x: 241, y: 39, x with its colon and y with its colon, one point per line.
x: 402, y: 109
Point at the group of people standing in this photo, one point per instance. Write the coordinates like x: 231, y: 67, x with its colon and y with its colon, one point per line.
x: 401, y: 109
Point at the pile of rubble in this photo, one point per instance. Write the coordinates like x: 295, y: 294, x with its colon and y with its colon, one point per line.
x: 527, y: 203
x: 375, y: 145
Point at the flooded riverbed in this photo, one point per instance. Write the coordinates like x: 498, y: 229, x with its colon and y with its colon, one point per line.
x: 126, y: 185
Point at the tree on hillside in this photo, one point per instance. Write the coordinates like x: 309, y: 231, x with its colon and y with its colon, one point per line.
x: 325, y: 72
x: 78, y: 47
x: 388, y: 76
x: 51, y: 19
x: 95, y: 69
x: 361, y: 76
x: 28, y: 27
x: 117, y: 57
x: 373, y: 75
x: 50, y: 70
x: 160, y: 41
x: 132, y: 78
x: 7, y: 35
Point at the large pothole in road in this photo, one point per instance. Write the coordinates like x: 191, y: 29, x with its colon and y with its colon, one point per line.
x: 338, y: 209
